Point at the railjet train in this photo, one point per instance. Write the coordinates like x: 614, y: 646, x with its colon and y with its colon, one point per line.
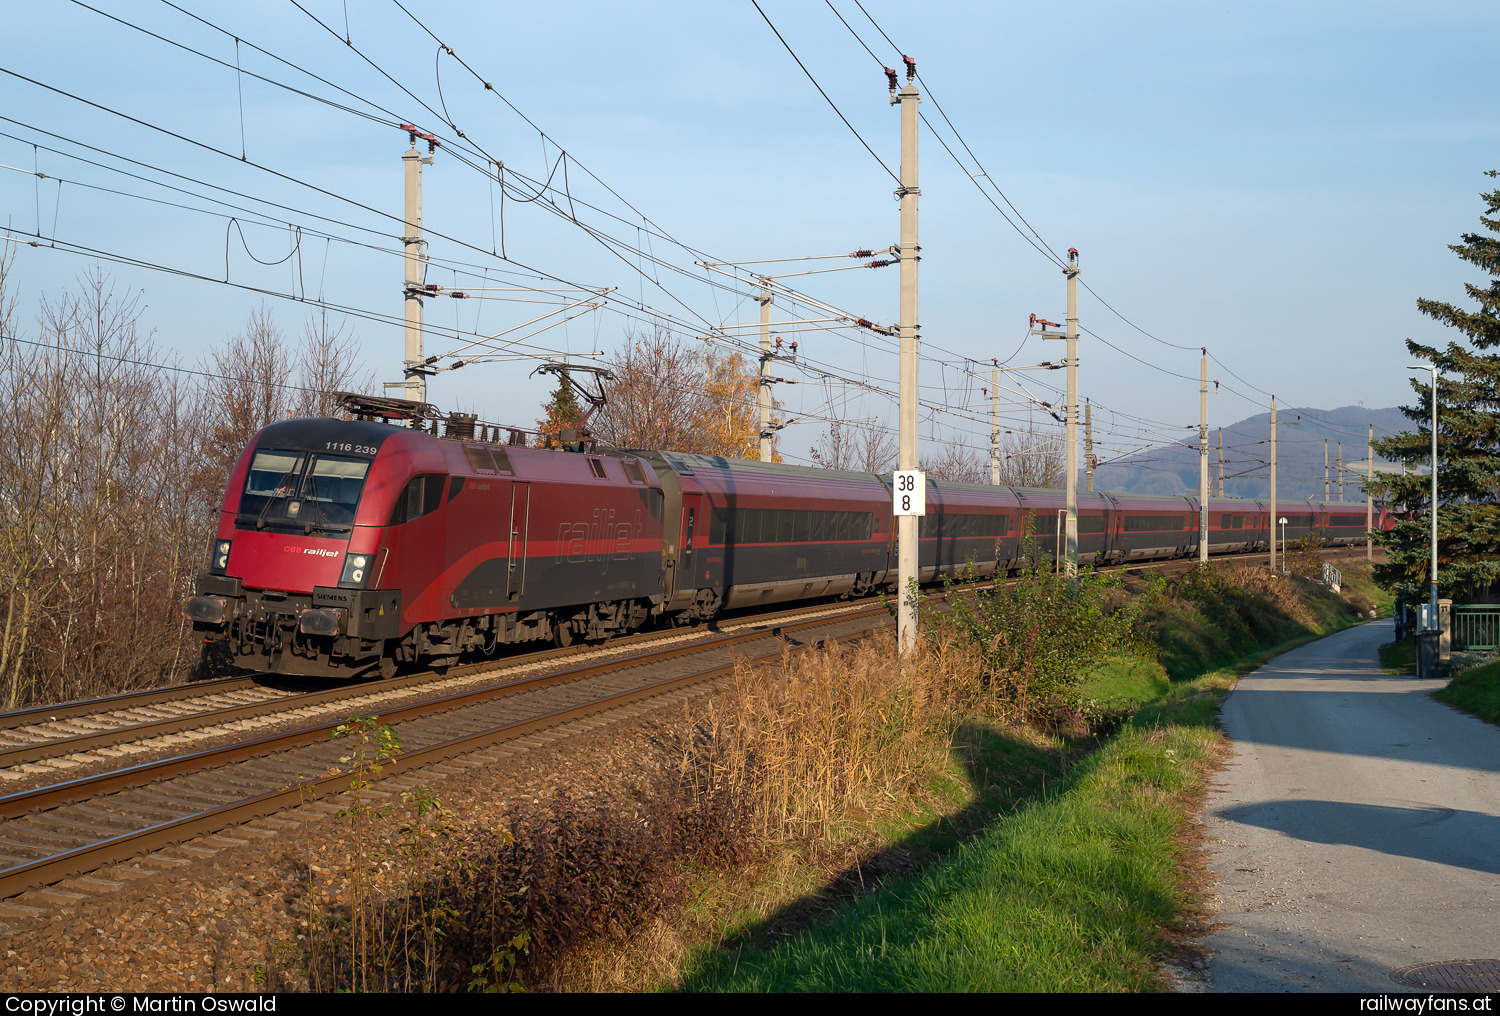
x: 346, y: 546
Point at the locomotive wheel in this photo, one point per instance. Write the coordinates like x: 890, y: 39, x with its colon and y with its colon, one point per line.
x: 562, y: 634
x: 387, y: 666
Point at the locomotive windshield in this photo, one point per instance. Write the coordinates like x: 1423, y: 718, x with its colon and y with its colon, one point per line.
x: 310, y: 491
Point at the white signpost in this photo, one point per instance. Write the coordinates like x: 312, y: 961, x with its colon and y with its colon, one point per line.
x: 909, y: 492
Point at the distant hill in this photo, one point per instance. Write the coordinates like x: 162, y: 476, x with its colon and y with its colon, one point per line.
x: 1173, y: 469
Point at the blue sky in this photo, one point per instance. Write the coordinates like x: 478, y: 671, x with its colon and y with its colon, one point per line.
x: 1277, y: 181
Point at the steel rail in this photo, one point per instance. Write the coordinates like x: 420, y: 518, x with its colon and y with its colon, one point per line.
x: 123, y: 846
x: 124, y: 700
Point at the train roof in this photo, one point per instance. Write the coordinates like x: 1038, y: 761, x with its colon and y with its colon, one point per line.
x: 690, y: 463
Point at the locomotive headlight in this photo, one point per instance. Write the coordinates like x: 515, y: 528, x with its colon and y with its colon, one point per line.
x: 218, y: 557
x: 356, y: 569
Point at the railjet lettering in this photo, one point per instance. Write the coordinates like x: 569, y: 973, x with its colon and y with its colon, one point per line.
x: 1423, y: 1004
x: 314, y: 551
x: 601, y: 540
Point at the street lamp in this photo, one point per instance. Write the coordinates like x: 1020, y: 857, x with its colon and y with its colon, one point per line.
x: 1282, y: 520
x: 1432, y: 618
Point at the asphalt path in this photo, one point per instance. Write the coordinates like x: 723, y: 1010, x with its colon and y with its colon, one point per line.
x: 1356, y: 829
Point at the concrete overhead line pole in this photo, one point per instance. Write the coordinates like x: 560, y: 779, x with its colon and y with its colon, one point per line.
x: 908, y: 475
x: 1221, y: 461
x: 1072, y: 321
x: 1369, y: 494
x: 763, y: 394
x: 1089, y: 459
x: 1325, y: 469
x: 1070, y: 333
x: 414, y: 366
x: 1203, y: 457
x: 1341, y: 472
x: 1274, y: 425
x: 995, y: 426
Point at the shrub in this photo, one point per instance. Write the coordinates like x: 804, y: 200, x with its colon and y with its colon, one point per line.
x: 1037, y: 636
x: 1305, y: 556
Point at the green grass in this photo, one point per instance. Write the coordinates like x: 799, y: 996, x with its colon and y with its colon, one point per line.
x: 1474, y: 691
x: 1399, y: 657
x: 1359, y: 584
x: 1194, y: 642
x: 1069, y: 893
x: 1124, y: 682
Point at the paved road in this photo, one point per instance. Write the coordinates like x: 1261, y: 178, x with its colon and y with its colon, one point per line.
x: 1356, y: 830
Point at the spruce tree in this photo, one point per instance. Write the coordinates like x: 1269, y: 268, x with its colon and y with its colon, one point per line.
x: 1468, y: 443
x: 561, y: 410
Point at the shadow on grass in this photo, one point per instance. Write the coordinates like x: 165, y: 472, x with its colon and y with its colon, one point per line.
x: 1005, y: 773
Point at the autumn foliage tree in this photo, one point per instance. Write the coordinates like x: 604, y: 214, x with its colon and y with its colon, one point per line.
x: 671, y: 395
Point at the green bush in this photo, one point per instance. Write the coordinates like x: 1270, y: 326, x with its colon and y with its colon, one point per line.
x: 1039, y: 635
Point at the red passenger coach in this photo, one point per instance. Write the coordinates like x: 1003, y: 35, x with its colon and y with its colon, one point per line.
x: 758, y: 532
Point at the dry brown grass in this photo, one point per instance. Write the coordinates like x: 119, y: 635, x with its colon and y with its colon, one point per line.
x: 828, y: 737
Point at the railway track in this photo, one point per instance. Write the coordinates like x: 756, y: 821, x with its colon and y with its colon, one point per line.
x: 69, y: 829
x: 41, y: 742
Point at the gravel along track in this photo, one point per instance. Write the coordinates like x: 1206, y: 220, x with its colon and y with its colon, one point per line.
x: 61, y: 831
x: 37, y: 745
x: 31, y: 734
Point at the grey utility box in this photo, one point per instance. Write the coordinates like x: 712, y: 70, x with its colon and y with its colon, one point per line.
x: 1427, y: 654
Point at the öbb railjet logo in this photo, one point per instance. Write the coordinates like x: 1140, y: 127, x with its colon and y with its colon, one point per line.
x: 314, y: 551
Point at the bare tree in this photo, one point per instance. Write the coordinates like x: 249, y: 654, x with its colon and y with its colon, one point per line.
x: 250, y: 384
x: 258, y: 377
x: 957, y: 462
x: 864, y: 448
x: 328, y: 362
x: 100, y: 528
x: 834, y: 448
x: 1032, y: 458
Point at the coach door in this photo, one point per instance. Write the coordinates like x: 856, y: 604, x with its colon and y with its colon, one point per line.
x: 520, y: 525
x: 688, y: 570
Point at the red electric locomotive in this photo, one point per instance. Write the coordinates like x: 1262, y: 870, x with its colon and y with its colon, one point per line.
x: 346, y: 545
